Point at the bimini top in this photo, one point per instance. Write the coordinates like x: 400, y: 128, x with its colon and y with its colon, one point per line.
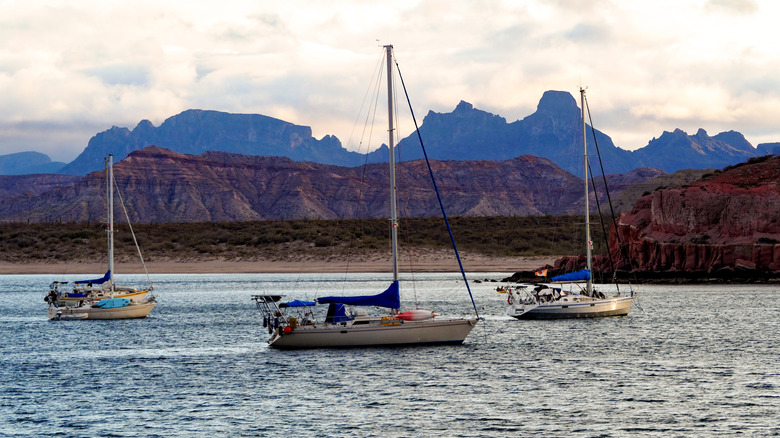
x: 97, y: 280
x: 389, y: 298
x: 581, y: 275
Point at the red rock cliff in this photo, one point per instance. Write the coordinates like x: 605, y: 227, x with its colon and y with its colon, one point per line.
x: 726, y: 221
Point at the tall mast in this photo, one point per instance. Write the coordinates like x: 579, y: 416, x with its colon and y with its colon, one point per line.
x: 110, y: 197
x: 589, y: 283
x: 391, y: 145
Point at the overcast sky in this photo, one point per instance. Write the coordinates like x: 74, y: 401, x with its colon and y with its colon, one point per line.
x: 70, y: 69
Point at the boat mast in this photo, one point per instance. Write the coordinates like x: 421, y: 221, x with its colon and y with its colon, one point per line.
x: 589, y: 283
x: 110, y: 197
x: 391, y: 145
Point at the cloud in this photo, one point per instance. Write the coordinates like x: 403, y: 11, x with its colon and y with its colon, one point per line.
x: 120, y: 74
x: 70, y: 70
x: 732, y: 6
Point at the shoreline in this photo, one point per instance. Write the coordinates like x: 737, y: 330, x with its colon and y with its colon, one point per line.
x: 504, y: 265
x: 505, y: 269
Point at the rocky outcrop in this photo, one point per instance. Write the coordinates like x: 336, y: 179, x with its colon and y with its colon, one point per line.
x: 634, y: 190
x: 164, y: 186
x: 724, y: 226
x: 728, y: 221
x: 34, y: 184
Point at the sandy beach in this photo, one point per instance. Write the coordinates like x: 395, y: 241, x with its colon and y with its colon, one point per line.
x: 421, y: 263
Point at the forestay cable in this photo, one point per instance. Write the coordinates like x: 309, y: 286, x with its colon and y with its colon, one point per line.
x: 435, y: 186
x: 137, y: 247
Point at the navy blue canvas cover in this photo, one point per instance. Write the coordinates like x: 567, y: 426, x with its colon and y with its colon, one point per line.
x: 581, y: 275
x: 390, y: 298
x: 97, y: 280
x: 297, y: 303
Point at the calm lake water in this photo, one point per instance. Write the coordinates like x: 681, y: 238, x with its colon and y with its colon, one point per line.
x: 693, y: 361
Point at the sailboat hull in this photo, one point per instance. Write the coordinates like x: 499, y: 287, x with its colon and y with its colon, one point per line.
x: 132, y: 311
x: 547, y: 303
x: 341, y: 329
x: 588, y: 309
x: 375, y: 335
x: 101, y: 298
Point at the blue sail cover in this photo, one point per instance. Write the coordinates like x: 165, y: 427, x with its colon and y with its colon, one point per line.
x: 389, y: 298
x: 97, y: 280
x: 113, y: 303
x: 337, y: 313
x: 581, y: 275
x: 298, y: 303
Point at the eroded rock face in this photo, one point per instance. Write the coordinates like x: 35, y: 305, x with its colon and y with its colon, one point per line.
x: 164, y: 186
x: 724, y: 226
x: 729, y: 220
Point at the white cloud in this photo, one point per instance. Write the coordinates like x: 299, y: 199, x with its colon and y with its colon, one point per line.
x: 732, y: 6
x: 71, y: 69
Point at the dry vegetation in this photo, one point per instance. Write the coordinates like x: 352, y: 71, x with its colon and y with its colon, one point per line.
x: 280, y: 240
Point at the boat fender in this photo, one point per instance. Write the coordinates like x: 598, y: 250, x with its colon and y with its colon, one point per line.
x: 509, y: 299
x: 287, y: 330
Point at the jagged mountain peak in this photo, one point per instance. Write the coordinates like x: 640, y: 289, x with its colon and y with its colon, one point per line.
x: 466, y: 133
x: 464, y: 111
x: 557, y: 103
x: 196, y: 131
x: 144, y: 124
x: 677, y: 150
x: 463, y: 106
x: 735, y: 140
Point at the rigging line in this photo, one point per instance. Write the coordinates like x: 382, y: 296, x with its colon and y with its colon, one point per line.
x: 370, y: 116
x: 400, y: 182
x: 378, y: 73
x: 405, y: 226
x: 438, y: 196
x: 603, y: 228
x: 137, y: 247
x: 622, y: 251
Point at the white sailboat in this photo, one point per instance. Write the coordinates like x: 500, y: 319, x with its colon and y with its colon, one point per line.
x: 100, y: 298
x: 570, y: 295
x: 292, y: 326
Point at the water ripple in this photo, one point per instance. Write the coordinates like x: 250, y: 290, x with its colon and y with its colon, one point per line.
x: 200, y: 366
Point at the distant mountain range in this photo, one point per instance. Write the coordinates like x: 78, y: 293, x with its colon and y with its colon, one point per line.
x: 25, y: 163
x: 553, y: 132
x: 159, y: 185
